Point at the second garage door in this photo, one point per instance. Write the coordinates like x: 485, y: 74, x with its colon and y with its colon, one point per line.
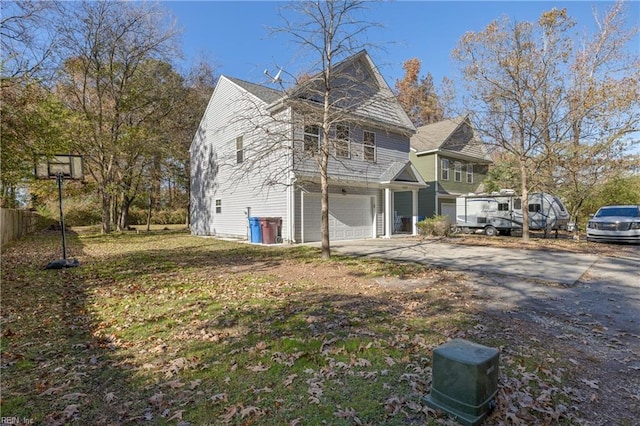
x: 350, y: 217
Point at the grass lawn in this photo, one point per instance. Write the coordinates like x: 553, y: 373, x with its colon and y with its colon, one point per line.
x: 165, y: 328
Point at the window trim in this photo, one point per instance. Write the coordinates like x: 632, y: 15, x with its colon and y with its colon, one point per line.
x: 239, y: 150
x: 444, y: 168
x: 341, y: 140
x: 369, y: 145
x: 309, y: 138
x: 218, y: 205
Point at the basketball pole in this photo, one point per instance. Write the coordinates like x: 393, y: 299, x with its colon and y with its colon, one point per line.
x: 64, y: 239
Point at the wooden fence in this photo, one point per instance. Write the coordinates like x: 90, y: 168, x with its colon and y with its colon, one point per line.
x: 17, y: 223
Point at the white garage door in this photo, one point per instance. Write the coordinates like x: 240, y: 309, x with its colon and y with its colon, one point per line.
x: 350, y: 217
x: 447, y: 209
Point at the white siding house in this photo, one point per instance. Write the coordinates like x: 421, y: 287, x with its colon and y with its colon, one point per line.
x: 254, y: 155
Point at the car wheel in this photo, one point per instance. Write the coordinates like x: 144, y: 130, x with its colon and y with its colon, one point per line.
x: 490, y: 231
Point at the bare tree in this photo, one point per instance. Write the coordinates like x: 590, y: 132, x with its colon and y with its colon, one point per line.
x: 328, y: 31
x: 535, y: 98
x: 107, y: 44
x: 27, y: 38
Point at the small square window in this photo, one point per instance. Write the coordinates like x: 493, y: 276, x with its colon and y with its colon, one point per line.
x: 535, y: 208
x: 218, y: 206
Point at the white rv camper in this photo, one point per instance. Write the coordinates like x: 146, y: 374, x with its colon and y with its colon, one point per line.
x: 501, y: 212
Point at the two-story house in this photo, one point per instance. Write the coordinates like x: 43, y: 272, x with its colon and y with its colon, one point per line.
x: 256, y: 151
x: 452, y: 160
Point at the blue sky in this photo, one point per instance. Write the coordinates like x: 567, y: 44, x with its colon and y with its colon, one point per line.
x: 234, y: 36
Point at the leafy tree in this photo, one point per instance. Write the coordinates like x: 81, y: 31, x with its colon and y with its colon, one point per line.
x: 33, y: 124
x: 109, y: 46
x: 557, y: 112
x: 418, y: 96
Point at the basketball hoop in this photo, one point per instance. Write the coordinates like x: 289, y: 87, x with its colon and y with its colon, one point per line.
x: 60, y: 167
x: 69, y: 166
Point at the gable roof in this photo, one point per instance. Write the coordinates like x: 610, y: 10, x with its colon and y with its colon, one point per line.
x: 264, y: 93
x: 404, y: 173
x: 378, y: 103
x: 452, y: 136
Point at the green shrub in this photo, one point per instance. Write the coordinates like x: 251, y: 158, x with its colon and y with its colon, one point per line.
x: 437, y: 226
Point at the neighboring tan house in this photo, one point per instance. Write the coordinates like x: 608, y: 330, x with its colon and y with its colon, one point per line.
x: 452, y: 160
x: 233, y: 177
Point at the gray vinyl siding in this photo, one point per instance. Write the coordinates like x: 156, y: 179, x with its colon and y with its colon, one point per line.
x: 390, y: 148
x: 215, y: 175
x: 312, y: 188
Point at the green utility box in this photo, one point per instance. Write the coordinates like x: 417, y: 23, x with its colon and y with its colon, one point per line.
x: 464, y: 380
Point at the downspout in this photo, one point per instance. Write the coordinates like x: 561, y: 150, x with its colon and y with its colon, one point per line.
x: 435, y: 190
x: 291, y: 201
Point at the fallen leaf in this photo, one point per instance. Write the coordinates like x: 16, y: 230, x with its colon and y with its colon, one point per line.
x: 257, y: 368
x: 250, y: 411
x: 593, y: 384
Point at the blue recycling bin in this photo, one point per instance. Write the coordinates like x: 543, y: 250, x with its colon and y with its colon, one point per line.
x: 255, y: 231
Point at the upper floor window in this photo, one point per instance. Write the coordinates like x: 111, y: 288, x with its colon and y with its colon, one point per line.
x: 444, y: 169
x: 311, y: 138
x: 458, y: 172
x: 239, y: 150
x: 469, y: 173
x: 369, y: 142
x: 343, y: 144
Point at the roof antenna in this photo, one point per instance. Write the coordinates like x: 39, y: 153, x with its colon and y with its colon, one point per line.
x: 275, y: 79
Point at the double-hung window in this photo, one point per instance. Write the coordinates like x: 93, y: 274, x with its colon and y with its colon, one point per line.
x: 369, y: 146
x: 239, y: 150
x: 218, y: 206
x: 458, y: 172
x: 469, y: 173
x: 444, y: 169
x: 311, y: 138
x: 342, y: 141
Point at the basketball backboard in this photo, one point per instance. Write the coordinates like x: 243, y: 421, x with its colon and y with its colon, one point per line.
x: 69, y: 166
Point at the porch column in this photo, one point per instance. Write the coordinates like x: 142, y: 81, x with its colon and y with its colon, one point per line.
x: 414, y: 204
x: 388, y: 213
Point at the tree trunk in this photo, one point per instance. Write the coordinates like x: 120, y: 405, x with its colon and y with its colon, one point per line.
x: 106, y: 213
x: 324, y: 212
x: 149, y: 212
x: 525, y: 200
x: 123, y: 217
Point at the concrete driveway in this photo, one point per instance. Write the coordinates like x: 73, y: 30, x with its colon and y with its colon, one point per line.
x: 559, y: 267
